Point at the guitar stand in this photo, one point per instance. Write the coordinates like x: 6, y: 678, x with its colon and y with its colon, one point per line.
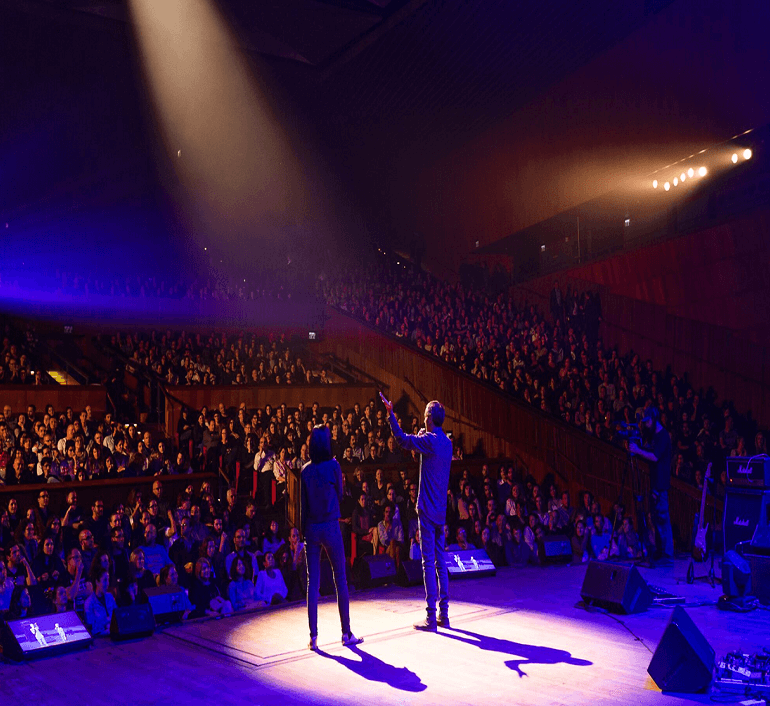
x: 711, y: 575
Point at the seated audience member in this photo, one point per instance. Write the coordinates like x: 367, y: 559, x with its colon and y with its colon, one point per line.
x: 475, y: 534
x: 269, y: 585
x: 169, y: 578
x: 293, y: 565
x: 364, y: 533
x: 204, y: 594
x: 209, y: 550
x: 529, y: 532
x: 240, y: 543
x: 240, y: 590
x: 390, y: 534
x: 18, y: 568
x: 155, y: 555
x: 100, y: 605
x: 415, y: 553
x: 272, y: 541
x: 627, y: 542
x: 130, y: 593
x: 6, y: 590
x: 494, y: 550
x: 184, y: 551
x: 579, y: 542
x: 462, y: 543
x: 59, y: 600
x: 518, y: 552
x: 119, y: 555
x: 137, y: 570
x: 87, y: 547
x: 78, y: 586
x: 47, y: 566
x: 21, y: 604
x: 600, y: 539
x: 103, y: 559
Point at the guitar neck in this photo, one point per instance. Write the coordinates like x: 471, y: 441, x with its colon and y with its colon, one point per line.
x: 703, y: 497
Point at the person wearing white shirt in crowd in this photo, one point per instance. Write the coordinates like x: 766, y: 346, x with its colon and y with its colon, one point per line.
x: 270, y: 586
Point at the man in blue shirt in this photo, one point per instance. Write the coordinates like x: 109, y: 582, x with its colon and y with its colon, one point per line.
x: 435, y: 450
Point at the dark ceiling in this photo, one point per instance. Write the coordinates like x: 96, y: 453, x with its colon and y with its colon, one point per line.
x: 412, y: 75
x: 388, y: 85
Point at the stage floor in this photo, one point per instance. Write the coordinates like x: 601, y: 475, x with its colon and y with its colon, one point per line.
x: 518, y: 637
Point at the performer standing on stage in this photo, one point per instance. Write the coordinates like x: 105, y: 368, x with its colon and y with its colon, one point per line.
x: 435, y: 450
x: 659, y: 456
x: 320, y: 495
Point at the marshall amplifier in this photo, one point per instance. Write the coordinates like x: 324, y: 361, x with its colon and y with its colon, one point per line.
x: 744, y: 510
x: 748, y: 472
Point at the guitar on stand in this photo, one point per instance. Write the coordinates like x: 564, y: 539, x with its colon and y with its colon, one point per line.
x: 700, y: 551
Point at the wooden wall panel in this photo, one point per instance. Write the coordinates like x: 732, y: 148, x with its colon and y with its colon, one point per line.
x: 60, y: 396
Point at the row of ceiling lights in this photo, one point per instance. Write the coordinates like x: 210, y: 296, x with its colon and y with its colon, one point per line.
x: 701, y: 172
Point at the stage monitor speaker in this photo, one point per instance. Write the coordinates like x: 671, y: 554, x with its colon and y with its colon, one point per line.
x: 131, y: 622
x: 684, y: 660
x: 745, y: 510
x: 469, y: 563
x: 376, y: 570
x: 615, y: 587
x: 168, y: 603
x: 44, y: 635
x: 555, y: 549
x: 410, y: 573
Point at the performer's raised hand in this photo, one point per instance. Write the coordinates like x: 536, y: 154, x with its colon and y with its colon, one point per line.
x: 388, y: 405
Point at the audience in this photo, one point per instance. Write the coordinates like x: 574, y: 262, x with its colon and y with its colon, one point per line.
x: 559, y: 366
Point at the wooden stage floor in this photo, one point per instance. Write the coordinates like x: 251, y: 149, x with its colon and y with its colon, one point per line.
x: 516, y: 638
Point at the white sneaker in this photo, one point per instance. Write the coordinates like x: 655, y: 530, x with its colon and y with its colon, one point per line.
x: 350, y: 639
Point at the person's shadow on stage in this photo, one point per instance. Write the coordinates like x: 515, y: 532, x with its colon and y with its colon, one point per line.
x: 529, y: 654
x: 374, y: 669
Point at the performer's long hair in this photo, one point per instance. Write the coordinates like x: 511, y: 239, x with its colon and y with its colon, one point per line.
x: 320, y: 444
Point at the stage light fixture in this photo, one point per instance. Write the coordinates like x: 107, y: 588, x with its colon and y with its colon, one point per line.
x: 734, y: 158
x: 682, y: 176
x: 702, y: 172
x: 691, y: 172
x: 666, y: 186
x: 654, y: 183
x: 747, y: 153
x: 676, y: 181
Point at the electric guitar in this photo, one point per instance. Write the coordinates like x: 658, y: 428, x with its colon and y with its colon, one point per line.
x: 700, y: 550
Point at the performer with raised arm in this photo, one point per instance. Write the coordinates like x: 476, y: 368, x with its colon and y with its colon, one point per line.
x: 435, y: 450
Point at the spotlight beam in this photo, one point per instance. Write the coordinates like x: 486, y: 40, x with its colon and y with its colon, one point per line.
x: 229, y: 150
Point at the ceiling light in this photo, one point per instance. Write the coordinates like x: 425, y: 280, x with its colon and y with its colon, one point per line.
x: 702, y: 171
x: 691, y: 172
x: 654, y: 183
x: 734, y: 158
x: 666, y: 186
x: 682, y: 176
x: 676, y: 181
x: 747, y: 153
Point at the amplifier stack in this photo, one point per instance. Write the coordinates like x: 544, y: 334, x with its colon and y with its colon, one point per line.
x: 747, y: 503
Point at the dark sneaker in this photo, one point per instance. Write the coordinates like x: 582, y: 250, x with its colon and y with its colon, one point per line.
x: 443, y: 621
x: 426, y: 626
x: 349, y: 639
x: 313, y: 644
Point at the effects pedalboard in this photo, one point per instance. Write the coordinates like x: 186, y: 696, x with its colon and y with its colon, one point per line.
x: 738, y: 673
